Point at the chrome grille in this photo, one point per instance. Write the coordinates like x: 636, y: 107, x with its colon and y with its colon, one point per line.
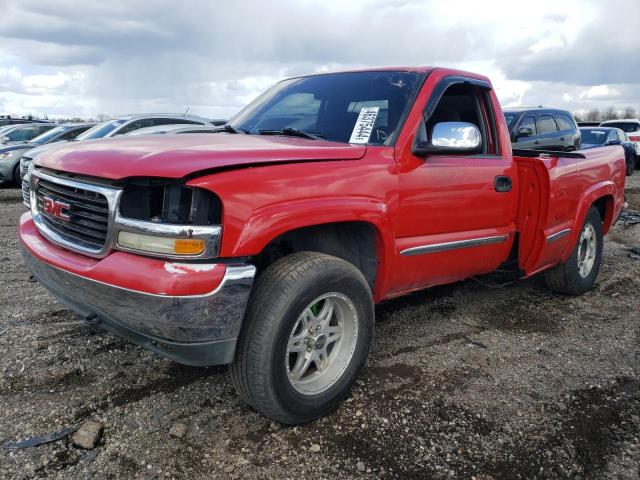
x: 87, y: 221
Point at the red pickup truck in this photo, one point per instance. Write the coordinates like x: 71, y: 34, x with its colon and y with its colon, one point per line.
x: 267, y: 244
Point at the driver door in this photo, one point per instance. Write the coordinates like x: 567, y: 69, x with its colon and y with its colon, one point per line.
x: 457, y: 211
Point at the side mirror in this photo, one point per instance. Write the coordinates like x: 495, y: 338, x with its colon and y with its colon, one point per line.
x: 525, y: 132
x: 613, y: 142
x: 447, y: 137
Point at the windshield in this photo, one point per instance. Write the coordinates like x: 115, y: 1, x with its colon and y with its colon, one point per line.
x: 626, y: 127
x: 593, y: 137
x: 354, y: 107
x: 100, y: 130
x: 48, y: 135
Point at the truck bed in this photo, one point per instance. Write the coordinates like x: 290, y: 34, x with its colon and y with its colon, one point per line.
x: 556, y: 190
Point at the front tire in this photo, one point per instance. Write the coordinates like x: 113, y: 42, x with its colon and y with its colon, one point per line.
x: 305, y: 338
x: 578, y: 274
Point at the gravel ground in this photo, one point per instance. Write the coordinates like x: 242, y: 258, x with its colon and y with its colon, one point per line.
x: 464, y: 381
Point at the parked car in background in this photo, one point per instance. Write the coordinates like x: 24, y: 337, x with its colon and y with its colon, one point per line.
x: 588, y: 124
x: 174, y: 128
x: 24, y: 132
x: 542, y: 129
x: 120, y: 126
x: 631, y: 127
x: 605, y: 136
x: 10, y: 155
x: 8, y: 120
x: 129, y: 123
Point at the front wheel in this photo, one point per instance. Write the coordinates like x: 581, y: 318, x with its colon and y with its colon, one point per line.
x: 305, y: 338
x: 578, y: 274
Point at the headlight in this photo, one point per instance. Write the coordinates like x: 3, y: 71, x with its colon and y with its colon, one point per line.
x: 162, y: 245
x: 168, y: 202
x: 163, y: 218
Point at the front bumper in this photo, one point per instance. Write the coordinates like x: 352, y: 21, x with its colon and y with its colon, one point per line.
x: 194, y: 329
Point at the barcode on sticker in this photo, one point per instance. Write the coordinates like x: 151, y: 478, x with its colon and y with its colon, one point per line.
x: 364, y: 125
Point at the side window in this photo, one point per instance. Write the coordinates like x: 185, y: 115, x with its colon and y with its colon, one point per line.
x: 171, y: 121
x: 135, y: 125
x: 613, y: 136
x: 564, y: 122
x: 461, y: 103
x: 546, y: 124
x: 71, y: 134
x: 622, y: 136
x: 529, y: 122
x: 23, y: 134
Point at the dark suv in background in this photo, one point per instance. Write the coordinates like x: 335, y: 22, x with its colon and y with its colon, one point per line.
x: 542, y: 129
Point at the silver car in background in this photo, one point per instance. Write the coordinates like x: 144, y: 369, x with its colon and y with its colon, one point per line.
x: 111, y: 128
x: 174, y: 128
x: 11, y: 154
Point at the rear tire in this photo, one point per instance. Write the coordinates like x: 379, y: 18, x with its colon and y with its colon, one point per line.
x: 578, y: 274
x: 290, y: 299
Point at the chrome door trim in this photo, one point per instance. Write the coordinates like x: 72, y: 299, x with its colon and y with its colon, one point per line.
x: 558, y: 235
x: 442, y: 247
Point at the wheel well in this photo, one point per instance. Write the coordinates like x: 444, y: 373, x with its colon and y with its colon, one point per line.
x: 604, y: 205
x: 354, y: 242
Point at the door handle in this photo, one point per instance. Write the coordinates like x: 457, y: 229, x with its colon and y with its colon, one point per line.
x: 537, y: 142
x: 502, y: 183
x: 563, y: 138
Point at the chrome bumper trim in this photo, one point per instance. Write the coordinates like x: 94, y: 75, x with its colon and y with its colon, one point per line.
x: 197, y: 319
x: 558, y: 235
x: 443, y: 247
x: 211, y: 235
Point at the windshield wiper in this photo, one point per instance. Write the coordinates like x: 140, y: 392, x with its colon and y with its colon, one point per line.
x: 292, y: 132
x: 229, y: 129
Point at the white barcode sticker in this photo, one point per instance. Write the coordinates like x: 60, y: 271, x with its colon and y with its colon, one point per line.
x: 364, y: 125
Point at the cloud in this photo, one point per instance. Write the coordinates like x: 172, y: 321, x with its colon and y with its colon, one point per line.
x: 85, y: 58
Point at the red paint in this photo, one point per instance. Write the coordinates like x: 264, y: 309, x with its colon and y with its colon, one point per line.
x: 410, y: 201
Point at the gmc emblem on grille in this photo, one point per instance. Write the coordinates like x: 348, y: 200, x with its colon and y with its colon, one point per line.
x: 54, y: 208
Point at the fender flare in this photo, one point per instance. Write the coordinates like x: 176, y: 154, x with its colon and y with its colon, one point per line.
x: 271, y: 221
x: 605, y: 188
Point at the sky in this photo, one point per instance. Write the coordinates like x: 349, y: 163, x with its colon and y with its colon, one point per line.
x: 86, y: 58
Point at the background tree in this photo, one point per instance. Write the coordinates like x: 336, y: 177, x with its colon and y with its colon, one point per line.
x: 609, y: 114
x: 592, y: 115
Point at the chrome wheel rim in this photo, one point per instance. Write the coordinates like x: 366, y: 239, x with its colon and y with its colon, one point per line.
x: 586, y: 250
x: 321, y: 343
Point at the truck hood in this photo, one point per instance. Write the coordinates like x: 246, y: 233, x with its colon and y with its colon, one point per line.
x: 175, y: 156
